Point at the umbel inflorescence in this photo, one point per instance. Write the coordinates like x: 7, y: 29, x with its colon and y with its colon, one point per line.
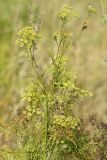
x: 27, y: 37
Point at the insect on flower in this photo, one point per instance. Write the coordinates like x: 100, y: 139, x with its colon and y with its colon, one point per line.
x: 85, y: 25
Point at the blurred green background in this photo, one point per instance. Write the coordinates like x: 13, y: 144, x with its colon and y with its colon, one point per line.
x: 87, y: 57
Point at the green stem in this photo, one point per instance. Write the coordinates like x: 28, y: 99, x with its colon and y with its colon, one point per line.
x: 46, y: 129
x: 100, y: 7
x: 35, y: 67
x: 41, y: 80
x: 52, y: 149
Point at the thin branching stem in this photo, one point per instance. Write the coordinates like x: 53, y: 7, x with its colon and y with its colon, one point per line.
x: 41, y: 80
x: 100, y: 7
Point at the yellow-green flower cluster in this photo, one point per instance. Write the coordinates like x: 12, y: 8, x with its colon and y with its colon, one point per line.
x: 32, y: 98
x: 61, y: 35
x: 27, y: 37
x: 30, y: 94
x: 63, y: 127
x: 67, y: 122
x: 29, y: 111
x: 92, y: 10
x: 85, y: 93
x: 66, y: 13
x: 80, y: 93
